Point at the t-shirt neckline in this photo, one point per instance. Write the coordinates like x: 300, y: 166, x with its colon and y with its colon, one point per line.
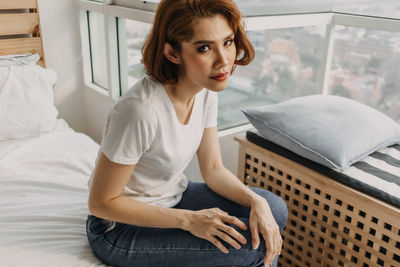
x: 172, y: 108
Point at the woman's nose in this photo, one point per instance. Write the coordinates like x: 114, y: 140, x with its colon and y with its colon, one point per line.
x: 221, y: 58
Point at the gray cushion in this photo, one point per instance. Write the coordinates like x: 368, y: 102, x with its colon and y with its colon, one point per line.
x: 331, y: 130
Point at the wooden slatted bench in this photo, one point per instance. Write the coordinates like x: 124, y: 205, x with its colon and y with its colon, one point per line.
x: 329, y: 224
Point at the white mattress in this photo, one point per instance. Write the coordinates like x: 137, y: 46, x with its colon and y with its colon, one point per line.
x: 43, y: 199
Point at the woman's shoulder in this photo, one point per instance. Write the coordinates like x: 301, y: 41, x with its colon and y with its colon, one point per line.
x: 142, y: 96
x: 146, y: 89
x: 132, y: 111
x: 138, y: 102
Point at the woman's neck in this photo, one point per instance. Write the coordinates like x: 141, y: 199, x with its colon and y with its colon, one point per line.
x: 181, y: 93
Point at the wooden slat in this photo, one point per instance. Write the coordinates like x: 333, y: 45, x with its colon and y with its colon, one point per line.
x: 19, y: 23
x: 21, y: 46
x: 42, y: 61
x: 18, y: 4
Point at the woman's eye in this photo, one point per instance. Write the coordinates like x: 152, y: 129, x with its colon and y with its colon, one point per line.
x: 203, y: 48
x: 228, y: 42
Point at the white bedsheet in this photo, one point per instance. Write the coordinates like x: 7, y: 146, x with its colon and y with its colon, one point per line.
x: 43, y: 199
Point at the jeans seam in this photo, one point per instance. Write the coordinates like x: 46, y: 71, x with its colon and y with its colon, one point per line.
x: 180, y: 249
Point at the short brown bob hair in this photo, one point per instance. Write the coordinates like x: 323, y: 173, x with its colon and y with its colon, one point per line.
x: 173, y: 23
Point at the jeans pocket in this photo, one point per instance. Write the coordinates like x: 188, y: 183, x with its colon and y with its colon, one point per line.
x: 97, y: 226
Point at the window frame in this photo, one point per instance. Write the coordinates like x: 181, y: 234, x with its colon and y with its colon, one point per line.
x: 268, y: 22
x: 112, y: 31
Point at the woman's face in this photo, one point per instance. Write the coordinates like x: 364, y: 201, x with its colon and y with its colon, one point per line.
x: 208, y: 58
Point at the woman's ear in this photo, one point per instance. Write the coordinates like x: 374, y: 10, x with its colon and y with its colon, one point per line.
x: 170, y: 54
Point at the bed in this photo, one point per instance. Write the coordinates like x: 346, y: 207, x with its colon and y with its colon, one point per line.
x: 43, y: 196
x: 337, y: 217
x: 44, y: 164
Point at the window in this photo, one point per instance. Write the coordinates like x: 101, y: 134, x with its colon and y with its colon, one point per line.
x: 279, y: 7
x: 287, y: 64
x: 132, y: 34
x: 138, y: 4
x: 365, y: 68
x: 302, y: 47
x: 97, y: 49
x: 382, y: 8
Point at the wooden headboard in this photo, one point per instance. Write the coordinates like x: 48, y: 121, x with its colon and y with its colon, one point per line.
x: 20, y: 28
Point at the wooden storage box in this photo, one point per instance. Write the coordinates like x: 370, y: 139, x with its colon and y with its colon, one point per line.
x: 329, y: 224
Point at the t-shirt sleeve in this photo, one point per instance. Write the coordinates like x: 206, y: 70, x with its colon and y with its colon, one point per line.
x: 130, y: 129
x: 212, y: 109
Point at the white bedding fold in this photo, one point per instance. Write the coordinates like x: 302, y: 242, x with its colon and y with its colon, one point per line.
x: 43, y: 200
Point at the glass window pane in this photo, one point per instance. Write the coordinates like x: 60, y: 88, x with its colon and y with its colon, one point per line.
x: 381, y: 8
x: 287, y: 64
x: 365, y: 67
x: 133, y: 34
x: 139, y: 4
x: 98, y: 49
x: 279, y: 7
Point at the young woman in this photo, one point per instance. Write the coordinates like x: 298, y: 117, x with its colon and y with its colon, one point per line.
x: 144, y: 211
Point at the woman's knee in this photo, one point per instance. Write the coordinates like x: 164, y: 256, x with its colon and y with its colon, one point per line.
x: 277, y: 205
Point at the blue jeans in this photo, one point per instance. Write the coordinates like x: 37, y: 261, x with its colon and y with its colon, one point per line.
x: 129, y: 245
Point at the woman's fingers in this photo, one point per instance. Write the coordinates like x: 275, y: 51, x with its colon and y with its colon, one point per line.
x: 278, y: 247
x: 228, y: 233
x: 280, y: 244
x: 228, y: 239
x: 273, y: 243
x: 218, y: 244
x: 231, y: 219
x: 234, y: 220
x: 232, y: 232
x: 254, y: 234
x: 217, y: 226
x: 271, y: 235
x: 271, y: 249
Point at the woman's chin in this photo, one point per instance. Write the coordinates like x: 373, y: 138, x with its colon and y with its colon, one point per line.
x: 220, y: 86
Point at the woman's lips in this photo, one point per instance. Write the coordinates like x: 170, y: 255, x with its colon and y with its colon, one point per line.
x: 220, y: 77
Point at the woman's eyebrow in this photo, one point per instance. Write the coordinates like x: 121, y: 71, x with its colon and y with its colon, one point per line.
x: 210, y: 42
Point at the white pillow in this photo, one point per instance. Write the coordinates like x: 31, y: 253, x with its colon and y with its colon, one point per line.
x: 26, y: 101
x: 22, y: 59
x: 331, y: 130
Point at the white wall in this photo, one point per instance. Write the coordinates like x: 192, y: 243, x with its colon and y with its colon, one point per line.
x: 62, y: 49
x: 97, y: 106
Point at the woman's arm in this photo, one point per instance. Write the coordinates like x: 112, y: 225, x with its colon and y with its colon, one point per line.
x: 224, y: 183
x: 105, y: 200
x: 217, y: 177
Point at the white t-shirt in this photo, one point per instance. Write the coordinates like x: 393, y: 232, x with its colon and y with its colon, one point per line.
x: 142, y: 128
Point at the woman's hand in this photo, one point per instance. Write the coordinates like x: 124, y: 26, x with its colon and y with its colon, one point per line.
x: 210, y: 223
x: 262, y: 222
